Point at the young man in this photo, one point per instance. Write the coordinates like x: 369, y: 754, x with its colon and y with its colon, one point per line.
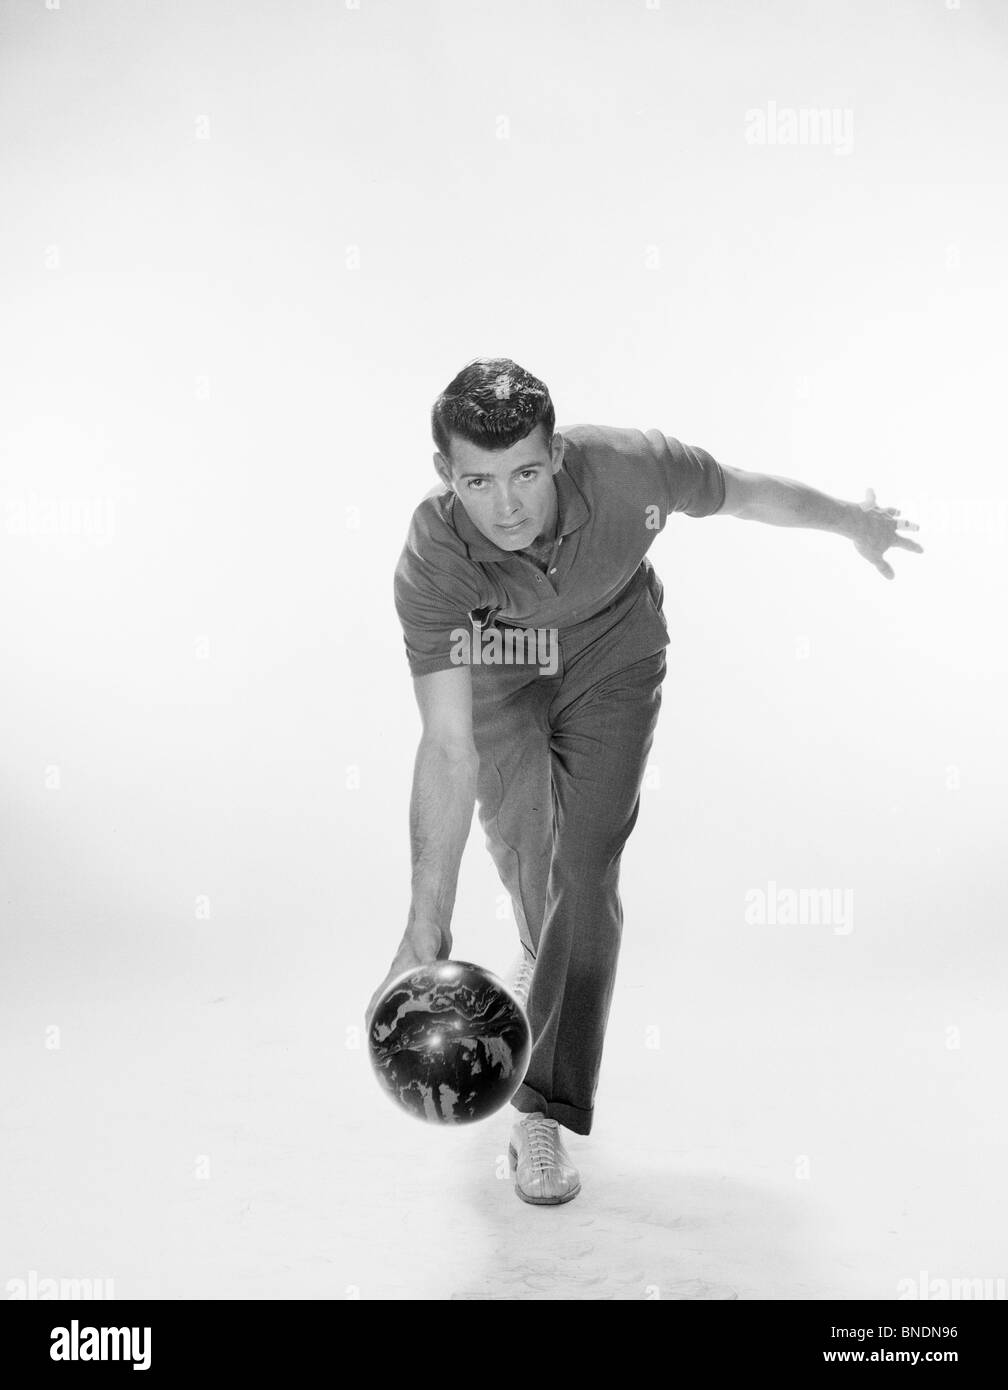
x: 534, y: 632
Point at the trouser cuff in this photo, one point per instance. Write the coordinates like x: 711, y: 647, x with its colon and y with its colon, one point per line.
x: 572, y: 1117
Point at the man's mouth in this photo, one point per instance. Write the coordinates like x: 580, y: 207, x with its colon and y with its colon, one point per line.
x: 515, y: 527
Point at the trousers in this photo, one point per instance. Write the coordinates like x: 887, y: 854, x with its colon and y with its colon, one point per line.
x: 561, y: 761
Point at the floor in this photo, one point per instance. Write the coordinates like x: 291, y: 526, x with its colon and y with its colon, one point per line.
x: 761, y: 1132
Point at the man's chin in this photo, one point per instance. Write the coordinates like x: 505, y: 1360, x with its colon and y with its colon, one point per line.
x: 516, y: 540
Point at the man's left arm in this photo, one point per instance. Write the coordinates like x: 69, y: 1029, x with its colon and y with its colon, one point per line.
x: 785, y: 502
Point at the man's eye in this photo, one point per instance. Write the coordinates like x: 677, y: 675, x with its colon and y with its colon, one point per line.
x: 529, y: 472
x: 474, y: 481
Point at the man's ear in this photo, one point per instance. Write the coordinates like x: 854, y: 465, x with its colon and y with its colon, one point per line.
x: 443, y: 468
x: 557, y: 452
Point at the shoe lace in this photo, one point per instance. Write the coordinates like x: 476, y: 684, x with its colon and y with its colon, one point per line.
x: 543, y: 1144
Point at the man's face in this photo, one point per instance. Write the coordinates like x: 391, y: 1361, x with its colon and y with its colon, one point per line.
x: 509, y: 494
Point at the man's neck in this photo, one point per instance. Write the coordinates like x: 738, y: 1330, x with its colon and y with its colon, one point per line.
x: 540, y: 551
x: 543, y: 543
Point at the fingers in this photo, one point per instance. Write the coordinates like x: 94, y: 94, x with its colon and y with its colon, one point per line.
x: 894, y: 539
x: 902, y: 524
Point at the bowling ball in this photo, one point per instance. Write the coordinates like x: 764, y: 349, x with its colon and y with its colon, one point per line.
x: 449, y: 1042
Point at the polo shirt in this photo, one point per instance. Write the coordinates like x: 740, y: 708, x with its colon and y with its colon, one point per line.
x: 616, y: 489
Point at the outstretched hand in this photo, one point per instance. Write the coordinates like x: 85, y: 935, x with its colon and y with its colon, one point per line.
x: 878, y: 529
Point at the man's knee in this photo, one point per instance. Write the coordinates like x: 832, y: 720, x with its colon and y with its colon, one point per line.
x: 595, y: 841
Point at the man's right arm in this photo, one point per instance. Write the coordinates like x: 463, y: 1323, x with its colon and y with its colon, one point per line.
x: 442, y: 802
x: 441, y: 811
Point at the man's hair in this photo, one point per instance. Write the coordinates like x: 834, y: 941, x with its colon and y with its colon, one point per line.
x: 492, y: 403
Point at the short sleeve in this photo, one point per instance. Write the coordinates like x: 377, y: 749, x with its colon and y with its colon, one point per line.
x: 432, y: 604
x: 694, y: 479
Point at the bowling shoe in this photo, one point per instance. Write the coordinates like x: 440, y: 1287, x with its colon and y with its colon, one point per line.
x: 544, y: 1173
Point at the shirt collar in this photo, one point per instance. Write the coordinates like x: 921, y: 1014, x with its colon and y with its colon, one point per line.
x: 572, y: 508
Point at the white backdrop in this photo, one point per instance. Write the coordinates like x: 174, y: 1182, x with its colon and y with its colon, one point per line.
x: 244, y: 248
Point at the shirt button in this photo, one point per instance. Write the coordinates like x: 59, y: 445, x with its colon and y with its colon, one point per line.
x: 553, y: 570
